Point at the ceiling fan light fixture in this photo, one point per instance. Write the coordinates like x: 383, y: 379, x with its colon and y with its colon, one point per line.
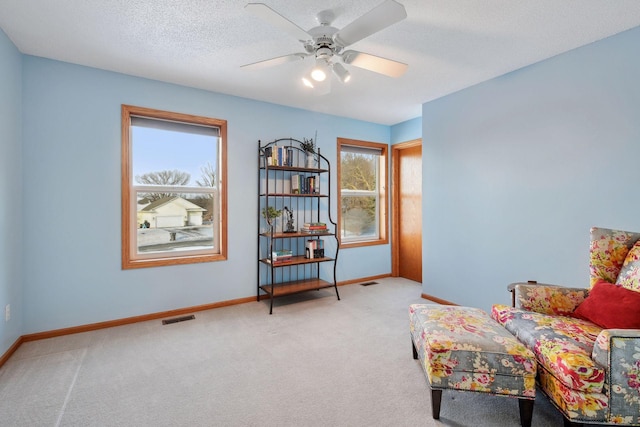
x: 341, y: 72
x: 318, y: 75
x: 319, y: 71
x: 307, y: 81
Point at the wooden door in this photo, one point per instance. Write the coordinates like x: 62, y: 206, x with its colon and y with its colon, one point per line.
x: 407, y: 210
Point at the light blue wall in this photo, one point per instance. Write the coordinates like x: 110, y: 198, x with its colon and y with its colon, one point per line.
x: 406, y: 131
x: 72, y: 195
x: 10, y: 192
x: 517, y: 169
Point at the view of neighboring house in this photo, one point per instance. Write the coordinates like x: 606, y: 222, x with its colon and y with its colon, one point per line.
x: 170, y: 212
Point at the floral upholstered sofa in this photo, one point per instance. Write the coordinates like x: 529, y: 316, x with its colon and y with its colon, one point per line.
x: 586, y: 341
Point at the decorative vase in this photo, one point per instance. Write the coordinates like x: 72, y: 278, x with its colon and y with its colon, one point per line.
x: 311, y: 160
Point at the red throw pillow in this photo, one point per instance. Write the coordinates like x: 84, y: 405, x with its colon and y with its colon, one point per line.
x: 611, y: 307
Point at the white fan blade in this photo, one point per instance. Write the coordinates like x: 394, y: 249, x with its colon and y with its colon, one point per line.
x: 275, y: 61
x: 378, y: 18
x: 264, y: 12
x: 374, y: 63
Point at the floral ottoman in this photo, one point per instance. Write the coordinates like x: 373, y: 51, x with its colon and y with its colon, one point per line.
x: 462, y: 348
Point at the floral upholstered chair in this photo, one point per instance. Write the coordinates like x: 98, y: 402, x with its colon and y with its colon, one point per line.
x: 586, y: 341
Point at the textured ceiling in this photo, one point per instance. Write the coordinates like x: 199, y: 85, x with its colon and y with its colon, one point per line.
x: 448, y: 44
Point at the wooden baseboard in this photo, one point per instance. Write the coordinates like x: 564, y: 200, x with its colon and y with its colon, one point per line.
x: 117, y: 322
x: 134, y: 319
x: 7, y: 354
x: 438, y: 300
x: 143, y: 318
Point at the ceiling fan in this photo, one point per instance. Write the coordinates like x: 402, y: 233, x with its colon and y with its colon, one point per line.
x: 327, y: 44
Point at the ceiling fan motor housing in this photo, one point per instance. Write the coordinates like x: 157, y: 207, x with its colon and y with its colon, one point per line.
x: 324, y: 52
x: 323, y: 43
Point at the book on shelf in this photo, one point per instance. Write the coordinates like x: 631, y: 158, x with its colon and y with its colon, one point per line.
x: 289, y: 156
x: 281, y: 255
x: 318, y: 231
x: 279, y: 156
x: 295, y: 184
x: 268, y: 155
x: 314, y: 248
x: 281, y: 252
x: 311, y: 185
x: 314, y: 227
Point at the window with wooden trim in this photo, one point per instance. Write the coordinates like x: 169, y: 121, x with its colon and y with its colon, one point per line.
x: 173, y: 188
x: 362, y: 203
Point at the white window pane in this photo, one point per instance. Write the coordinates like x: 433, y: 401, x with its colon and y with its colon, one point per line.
x: 167, y: 157
x: 358, y: 171
x: 178, y: 222
x: 359, y: 217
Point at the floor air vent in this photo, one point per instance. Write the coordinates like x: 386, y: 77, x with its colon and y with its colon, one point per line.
x: 178, y: 319
x: 368, y: 283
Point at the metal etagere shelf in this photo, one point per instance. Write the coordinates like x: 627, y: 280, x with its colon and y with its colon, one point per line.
x: 298, y: 249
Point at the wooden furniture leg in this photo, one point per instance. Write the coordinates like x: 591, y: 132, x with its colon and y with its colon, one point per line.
x: 436, y: 398
x: 526, y: 411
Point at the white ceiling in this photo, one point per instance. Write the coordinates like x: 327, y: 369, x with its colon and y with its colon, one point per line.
x: 448, y: 44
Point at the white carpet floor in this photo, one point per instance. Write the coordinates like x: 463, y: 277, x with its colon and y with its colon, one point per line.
x: 316, y: 361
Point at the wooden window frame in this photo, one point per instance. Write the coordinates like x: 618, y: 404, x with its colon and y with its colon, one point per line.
x: 383, y: 200
x: 129, y: 223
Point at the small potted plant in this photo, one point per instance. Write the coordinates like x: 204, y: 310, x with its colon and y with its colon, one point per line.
x: 270, y: 213
x: 309, y: 147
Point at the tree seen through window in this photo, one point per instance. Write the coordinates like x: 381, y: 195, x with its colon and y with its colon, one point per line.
x: 362, y: 192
